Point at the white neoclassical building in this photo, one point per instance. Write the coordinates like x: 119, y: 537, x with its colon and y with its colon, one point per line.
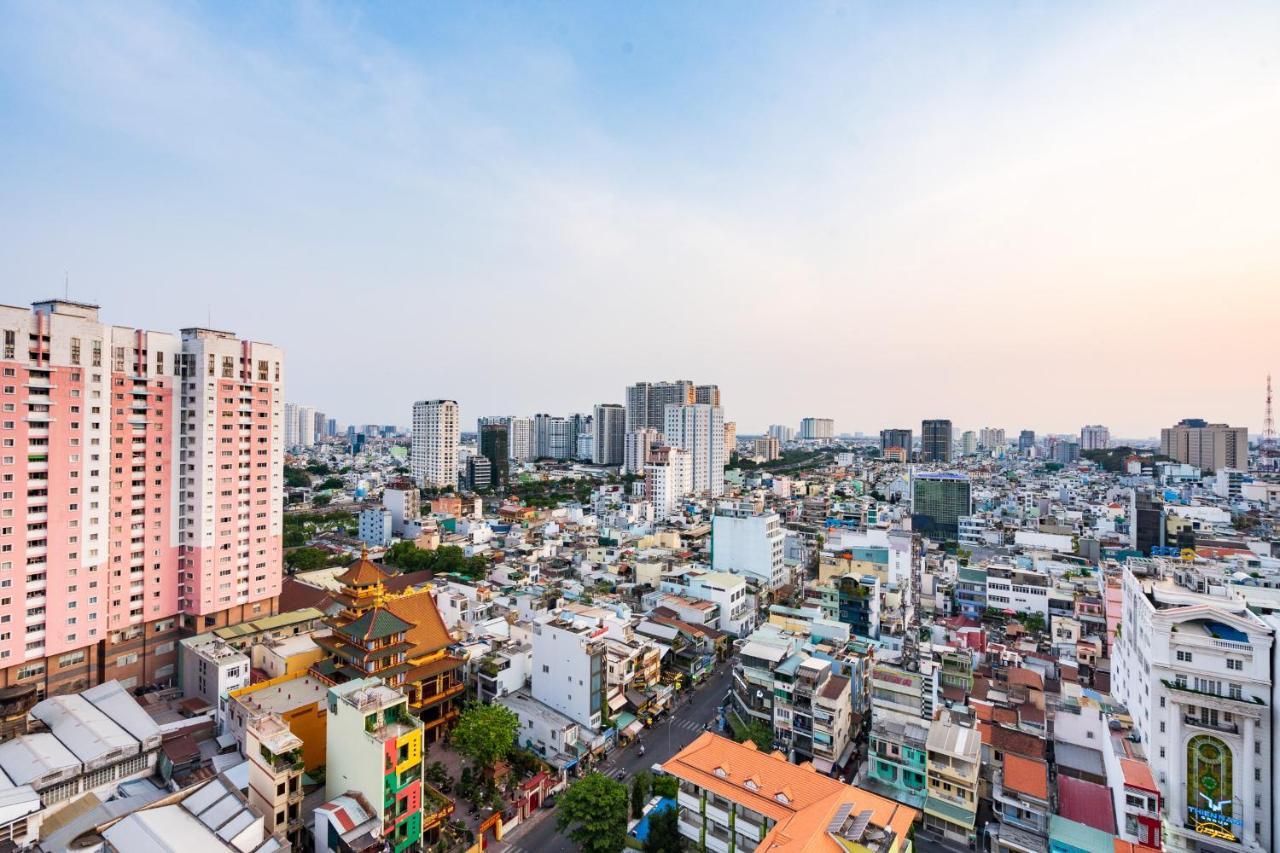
x: 1194, y: 666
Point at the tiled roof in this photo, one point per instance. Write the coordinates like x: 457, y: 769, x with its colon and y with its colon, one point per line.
x: 800, y: 800
x: 376, y: 623
x: 427, y: 632
x: 1008, y: 740
x: 363, y: 572
x: 1137, y: 774
x: 1028, y: 776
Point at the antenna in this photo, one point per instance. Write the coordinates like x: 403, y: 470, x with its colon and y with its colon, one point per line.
x: 1268, y: 447
x: 66, y: 285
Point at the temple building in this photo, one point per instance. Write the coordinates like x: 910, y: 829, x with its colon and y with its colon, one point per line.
x: 398, y: 637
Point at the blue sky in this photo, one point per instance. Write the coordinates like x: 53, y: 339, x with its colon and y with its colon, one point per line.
x: 1017, y: 215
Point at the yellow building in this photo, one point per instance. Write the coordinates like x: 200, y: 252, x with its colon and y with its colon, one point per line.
x: 298, y: 699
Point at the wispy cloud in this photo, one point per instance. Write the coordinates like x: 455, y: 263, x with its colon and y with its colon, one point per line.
x: 837, y: 210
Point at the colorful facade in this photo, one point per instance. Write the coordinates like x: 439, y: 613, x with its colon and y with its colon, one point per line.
x: 375, y: 748
x: 143, y: 477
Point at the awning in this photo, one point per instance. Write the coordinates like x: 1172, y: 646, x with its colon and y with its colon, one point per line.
x: 617, y: 702
x: 633, y: 729
x: 846, y: 755
x: 226, y: 741
x: 624, y: 719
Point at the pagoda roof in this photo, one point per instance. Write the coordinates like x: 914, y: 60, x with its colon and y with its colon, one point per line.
x: 376, y: 623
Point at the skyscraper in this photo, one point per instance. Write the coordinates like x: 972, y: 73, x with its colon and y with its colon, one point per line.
x: 709, y: 394
x: 895, y: 438
x: 698, y: 429
x: 639, y: 446
x: 968, y: 443
x: 647, y: 402
x: 609, y: 434
x: 935, y: 441
x: 126, y: 508
x: 1206, y: 446
x: 1026, y: 441
x: 991, y: 438
x: 1094, y: 437
x: 522, y: 440
x: 433, y: 453
x: 782, y: 432
x: 493, y: 446
x: 817, y: 429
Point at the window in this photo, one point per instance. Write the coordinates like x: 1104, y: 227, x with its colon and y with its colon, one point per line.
x: 1184, y: 656
x: 1237, y: 665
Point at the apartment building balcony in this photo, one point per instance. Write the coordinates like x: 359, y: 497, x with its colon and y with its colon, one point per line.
x: 1194, y: 696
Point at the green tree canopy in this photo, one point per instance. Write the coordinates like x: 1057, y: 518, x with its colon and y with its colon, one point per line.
x: 296, y: 478
x: 331, y: 483
x: 641, y: 785
x: 594, y: 812
x: 665, y: 786
x: 664, y: 832
x: 306, y: 559
x: 486, y: 733
x: 448, y: 558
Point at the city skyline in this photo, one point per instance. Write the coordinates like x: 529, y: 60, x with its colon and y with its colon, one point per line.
x: 924, y: 192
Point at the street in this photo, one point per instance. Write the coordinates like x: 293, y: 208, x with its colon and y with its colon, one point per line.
x: 538, y: 835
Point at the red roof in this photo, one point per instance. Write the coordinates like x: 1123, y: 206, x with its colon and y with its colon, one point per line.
x: 1087, y: 803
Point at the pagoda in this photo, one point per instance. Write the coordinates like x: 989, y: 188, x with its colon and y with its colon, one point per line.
x: 398, y: 637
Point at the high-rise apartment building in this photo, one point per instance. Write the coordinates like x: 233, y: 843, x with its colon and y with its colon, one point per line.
x: 522, y: 440
x: 1206, y: 446
x: 493, y: 446
x: 767, y: 447
x: 609, y: 433
x: 730, y: 439
x: 647, y: 402
x: 935, y: 441
x: 668, y: 479
x: 968, y: 443
x: 639, y: 445
x: 1026, y: 441
x: 148, y: 495
x: 290, y: 426
x: 895, y: 438
x: 782, y: 432
x: 1095, y: 437
x: 709, y: 394
x: 991, y: 438
x: 817, y: 429
x: 698, y: 429
x: 433, y: 454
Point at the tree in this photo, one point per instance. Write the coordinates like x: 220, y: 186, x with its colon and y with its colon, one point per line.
x: 664, y: 832
x: 486, y: 733
x: 594, y: 812
x: 640, y: 787
x: 296, y: 478
x: 306, y: 559
x: 331, y: 483
x: 758, y: 732
x: 665, y: 786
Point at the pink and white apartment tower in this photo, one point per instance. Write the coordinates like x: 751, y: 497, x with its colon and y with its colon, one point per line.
x: 141, y: 483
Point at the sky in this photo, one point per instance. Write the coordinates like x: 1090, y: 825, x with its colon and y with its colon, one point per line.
x: 1021, y: 215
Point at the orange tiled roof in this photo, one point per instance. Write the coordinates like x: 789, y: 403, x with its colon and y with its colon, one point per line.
x: 755, y: 780
x: 363, y: 572
x: 428, y: 633
x: 1138, y: 774
x: 1026, y: 775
